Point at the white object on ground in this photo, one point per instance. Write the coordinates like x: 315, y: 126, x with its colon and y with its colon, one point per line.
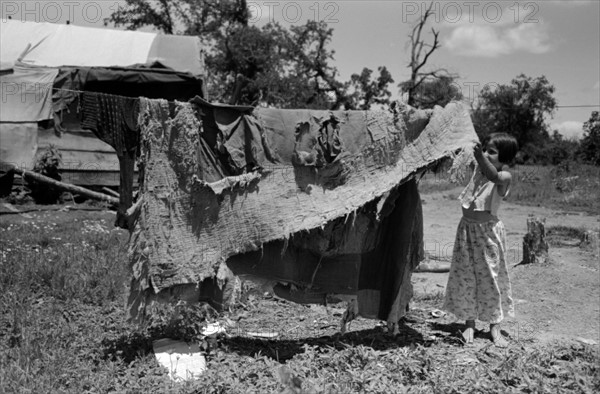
x: 264, y: 335
x: 212, y: 329
x: 431, y: 266
x: 586, y: 341
x: 183, y: 361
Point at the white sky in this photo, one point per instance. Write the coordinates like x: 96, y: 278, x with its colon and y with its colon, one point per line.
x: 485, y: 42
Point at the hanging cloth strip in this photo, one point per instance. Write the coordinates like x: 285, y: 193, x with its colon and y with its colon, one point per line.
x: 113, y: 119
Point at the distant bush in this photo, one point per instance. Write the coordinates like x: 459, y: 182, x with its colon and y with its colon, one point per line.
x: 552, y: 151
x: 589, y: 150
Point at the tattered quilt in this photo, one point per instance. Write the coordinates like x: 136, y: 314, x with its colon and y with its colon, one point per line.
x: 319, y: 203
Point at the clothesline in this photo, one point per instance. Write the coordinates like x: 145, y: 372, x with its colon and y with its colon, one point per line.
x: 172, y: 102
x: 97, y: 93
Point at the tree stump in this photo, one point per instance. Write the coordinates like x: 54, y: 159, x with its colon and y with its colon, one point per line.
x: 535, y: 247
x: 591, y: 240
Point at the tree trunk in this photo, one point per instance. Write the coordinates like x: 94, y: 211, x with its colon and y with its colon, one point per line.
x: 535, y: 247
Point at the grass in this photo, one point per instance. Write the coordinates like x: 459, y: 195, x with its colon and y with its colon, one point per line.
x: 63, y: 330
x: 570, y: 187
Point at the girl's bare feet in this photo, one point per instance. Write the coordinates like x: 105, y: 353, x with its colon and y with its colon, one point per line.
x: 469, y: 333
x: 497, y: 337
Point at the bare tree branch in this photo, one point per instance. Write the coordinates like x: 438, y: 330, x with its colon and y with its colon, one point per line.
x: 421, y: 51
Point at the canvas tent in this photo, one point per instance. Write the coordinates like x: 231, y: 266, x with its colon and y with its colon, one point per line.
x: 38, y: 58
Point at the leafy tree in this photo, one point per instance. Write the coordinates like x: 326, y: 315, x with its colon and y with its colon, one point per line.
x: 206, y: 18
x: 246, y: 64
x: 315, y: 79
x: 364, y: 92
x: 590, y: 144
x: 519, y: 108
x: 434, y: 91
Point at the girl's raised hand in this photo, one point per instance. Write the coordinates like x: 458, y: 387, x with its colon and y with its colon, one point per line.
x: 477, y: 149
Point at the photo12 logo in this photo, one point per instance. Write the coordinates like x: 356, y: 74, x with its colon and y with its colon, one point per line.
x: 25, y: 92
x: 471, y: 11
x: 293, y: 11
x: 58, y: 11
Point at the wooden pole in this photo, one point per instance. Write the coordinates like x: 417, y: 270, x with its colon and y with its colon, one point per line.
x: 63, y: 186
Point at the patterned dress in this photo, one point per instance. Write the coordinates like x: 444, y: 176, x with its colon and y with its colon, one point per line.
x: 478, y: 284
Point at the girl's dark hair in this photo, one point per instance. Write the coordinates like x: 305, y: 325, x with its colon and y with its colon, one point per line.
x: 506, y: 144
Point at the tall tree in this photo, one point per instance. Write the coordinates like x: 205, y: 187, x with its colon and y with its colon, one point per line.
x: 520, y: 108
x: 206, y: 18
x: 310, y: 58
x: 246, y: 64
x: 426, y: 89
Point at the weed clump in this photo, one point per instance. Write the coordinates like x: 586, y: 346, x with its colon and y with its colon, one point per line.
x: 47, y: 164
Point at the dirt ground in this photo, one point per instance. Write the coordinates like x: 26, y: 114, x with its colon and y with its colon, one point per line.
x: 557, y: 300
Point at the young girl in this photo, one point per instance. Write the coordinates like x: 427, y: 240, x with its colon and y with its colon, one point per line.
x: 478, y: 285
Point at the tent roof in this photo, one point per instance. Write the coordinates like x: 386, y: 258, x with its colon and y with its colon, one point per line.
x: 56, y: 45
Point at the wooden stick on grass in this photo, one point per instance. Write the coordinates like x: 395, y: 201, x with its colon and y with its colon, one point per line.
x: 110, y: 191
x: 63, y: 186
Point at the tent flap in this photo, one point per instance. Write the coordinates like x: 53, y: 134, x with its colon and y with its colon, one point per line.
x: 27, y: 94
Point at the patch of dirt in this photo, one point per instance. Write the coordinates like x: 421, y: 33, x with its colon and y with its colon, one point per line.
x: 557, y: 300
